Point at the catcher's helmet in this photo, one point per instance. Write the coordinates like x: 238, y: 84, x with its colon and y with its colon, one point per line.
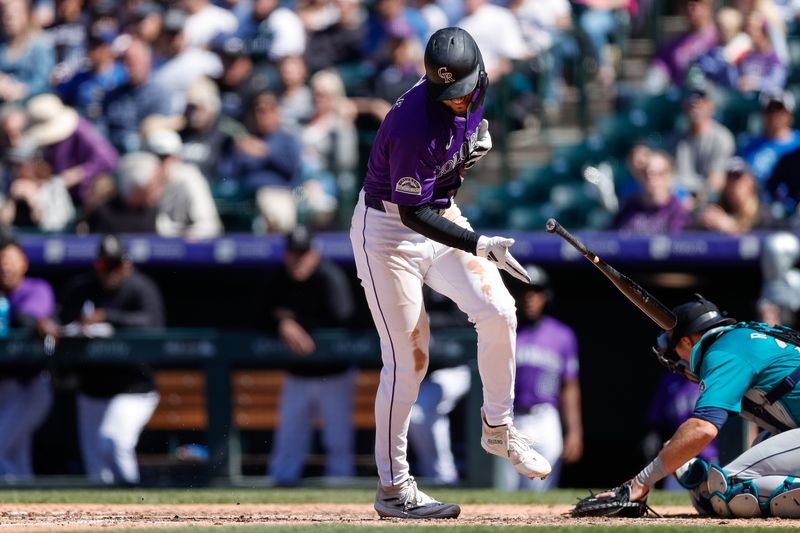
x: 695, y: 316
x: 453, y: 65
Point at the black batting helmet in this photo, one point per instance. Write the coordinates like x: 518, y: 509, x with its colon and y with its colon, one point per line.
x: 540, y: 281
x: 453, y: 64
x: 695, y: 316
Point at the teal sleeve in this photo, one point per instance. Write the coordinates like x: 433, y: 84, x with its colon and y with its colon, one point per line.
x: 724, y: 379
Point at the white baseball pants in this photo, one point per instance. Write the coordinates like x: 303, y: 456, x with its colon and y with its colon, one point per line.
x: 23, y: 408
x: 109, y: 430
x: 429, y: 431
x: 393, y: 263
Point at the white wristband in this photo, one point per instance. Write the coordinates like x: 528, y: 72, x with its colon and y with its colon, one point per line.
x: 652, y: 473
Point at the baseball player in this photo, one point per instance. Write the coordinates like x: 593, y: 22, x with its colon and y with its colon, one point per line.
x: 745, y: 368
x: 547, y: 387
x: 407, y: 231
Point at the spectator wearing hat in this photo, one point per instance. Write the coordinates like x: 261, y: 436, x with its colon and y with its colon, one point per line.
x: 205, y: 21
x: 67, y: 35
x: 36, y: 199
x: 777, y: 138
x: 86, y: 90
x: 134, y: 206
x: 206, y: 135
x: 179, y: 63
x: 25, y: 391
x: 185, y: 206
x: 306, y: 294
x: 115, y: 400
x: 26, y: 59
x: 403, y: 69
x: 125, y: 107
x: 240, y: 81
x: 267, y: 163
x: 739, y: 208
x: 703, y: 149
x: 655, y: 208
x: 271, y: 31
x: 73, y: 147
x: 146, y: 20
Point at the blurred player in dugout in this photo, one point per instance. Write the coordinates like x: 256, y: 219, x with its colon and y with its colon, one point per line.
x: 309, y: 293
x: 547, y: 396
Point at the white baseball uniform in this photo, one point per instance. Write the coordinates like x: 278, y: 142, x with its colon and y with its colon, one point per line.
x: 393, y: 263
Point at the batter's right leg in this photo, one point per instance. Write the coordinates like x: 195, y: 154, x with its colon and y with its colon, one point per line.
x: 394, y: 294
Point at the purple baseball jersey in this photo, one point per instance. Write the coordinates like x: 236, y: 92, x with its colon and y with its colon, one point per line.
x: 33, y: 297
x: 419, y: 149
x: 547, y: 356
x: 674, y: 403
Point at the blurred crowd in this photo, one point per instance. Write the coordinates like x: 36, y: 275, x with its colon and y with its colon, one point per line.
x: 195, y: 117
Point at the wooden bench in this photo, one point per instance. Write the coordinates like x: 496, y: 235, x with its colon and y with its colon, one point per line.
x: 256, y: 400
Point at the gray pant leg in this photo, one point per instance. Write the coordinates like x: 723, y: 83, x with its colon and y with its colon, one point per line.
x: 776, y: 456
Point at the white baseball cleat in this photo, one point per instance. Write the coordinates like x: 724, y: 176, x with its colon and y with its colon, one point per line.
x: 508, y: 442
x: 407, y: 501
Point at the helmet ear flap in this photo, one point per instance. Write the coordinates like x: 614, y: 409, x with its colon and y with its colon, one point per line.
x: 480, y: 90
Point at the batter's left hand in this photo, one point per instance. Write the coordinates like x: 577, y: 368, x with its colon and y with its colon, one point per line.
x: 495, y: 249
x: 482, y: 146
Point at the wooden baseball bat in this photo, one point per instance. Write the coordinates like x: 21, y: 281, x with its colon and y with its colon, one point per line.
x: 646, y: 302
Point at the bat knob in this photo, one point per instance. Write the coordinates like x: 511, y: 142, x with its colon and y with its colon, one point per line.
x: 550, y: 225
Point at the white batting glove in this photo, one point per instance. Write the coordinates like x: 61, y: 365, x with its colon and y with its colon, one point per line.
x: 482, y: 145
x: 495, y: 249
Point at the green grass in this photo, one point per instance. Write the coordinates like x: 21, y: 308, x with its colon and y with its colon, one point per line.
x: 272, y: 495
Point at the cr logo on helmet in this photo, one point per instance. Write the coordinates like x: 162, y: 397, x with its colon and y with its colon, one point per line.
x: 446, y: 76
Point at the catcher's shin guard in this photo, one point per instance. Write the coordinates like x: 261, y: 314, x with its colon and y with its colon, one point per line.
x: 784, y: 502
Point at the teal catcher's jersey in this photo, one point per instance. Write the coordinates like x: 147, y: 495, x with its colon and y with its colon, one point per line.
x: 743, y: 363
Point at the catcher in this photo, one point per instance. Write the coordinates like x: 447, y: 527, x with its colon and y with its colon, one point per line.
x: 745, y: 368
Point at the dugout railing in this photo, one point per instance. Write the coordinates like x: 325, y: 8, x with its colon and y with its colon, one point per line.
x: 225, y: 359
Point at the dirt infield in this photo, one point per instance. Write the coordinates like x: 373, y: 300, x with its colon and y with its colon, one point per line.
x: 66, y: 517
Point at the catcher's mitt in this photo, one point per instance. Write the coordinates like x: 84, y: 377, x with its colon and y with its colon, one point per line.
x: 618, y: 503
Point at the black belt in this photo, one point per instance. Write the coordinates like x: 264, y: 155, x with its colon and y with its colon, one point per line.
x: 376, y: 203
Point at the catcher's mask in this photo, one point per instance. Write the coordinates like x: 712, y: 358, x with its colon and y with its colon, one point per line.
x: 694, y: 316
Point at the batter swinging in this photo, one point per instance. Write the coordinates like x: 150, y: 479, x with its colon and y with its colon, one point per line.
x: 407, y: 231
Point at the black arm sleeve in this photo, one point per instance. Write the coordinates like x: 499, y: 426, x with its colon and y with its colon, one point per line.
x: 426, y: 222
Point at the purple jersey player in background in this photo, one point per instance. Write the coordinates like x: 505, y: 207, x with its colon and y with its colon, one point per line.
x: 547, y: 390
x: 407, y: 231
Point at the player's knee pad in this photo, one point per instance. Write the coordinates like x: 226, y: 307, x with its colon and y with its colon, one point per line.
x: 784, y: 502
x: 718, y: 485
x: 743, y: 500
x: 693, y: 473
x: 693, y: 476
